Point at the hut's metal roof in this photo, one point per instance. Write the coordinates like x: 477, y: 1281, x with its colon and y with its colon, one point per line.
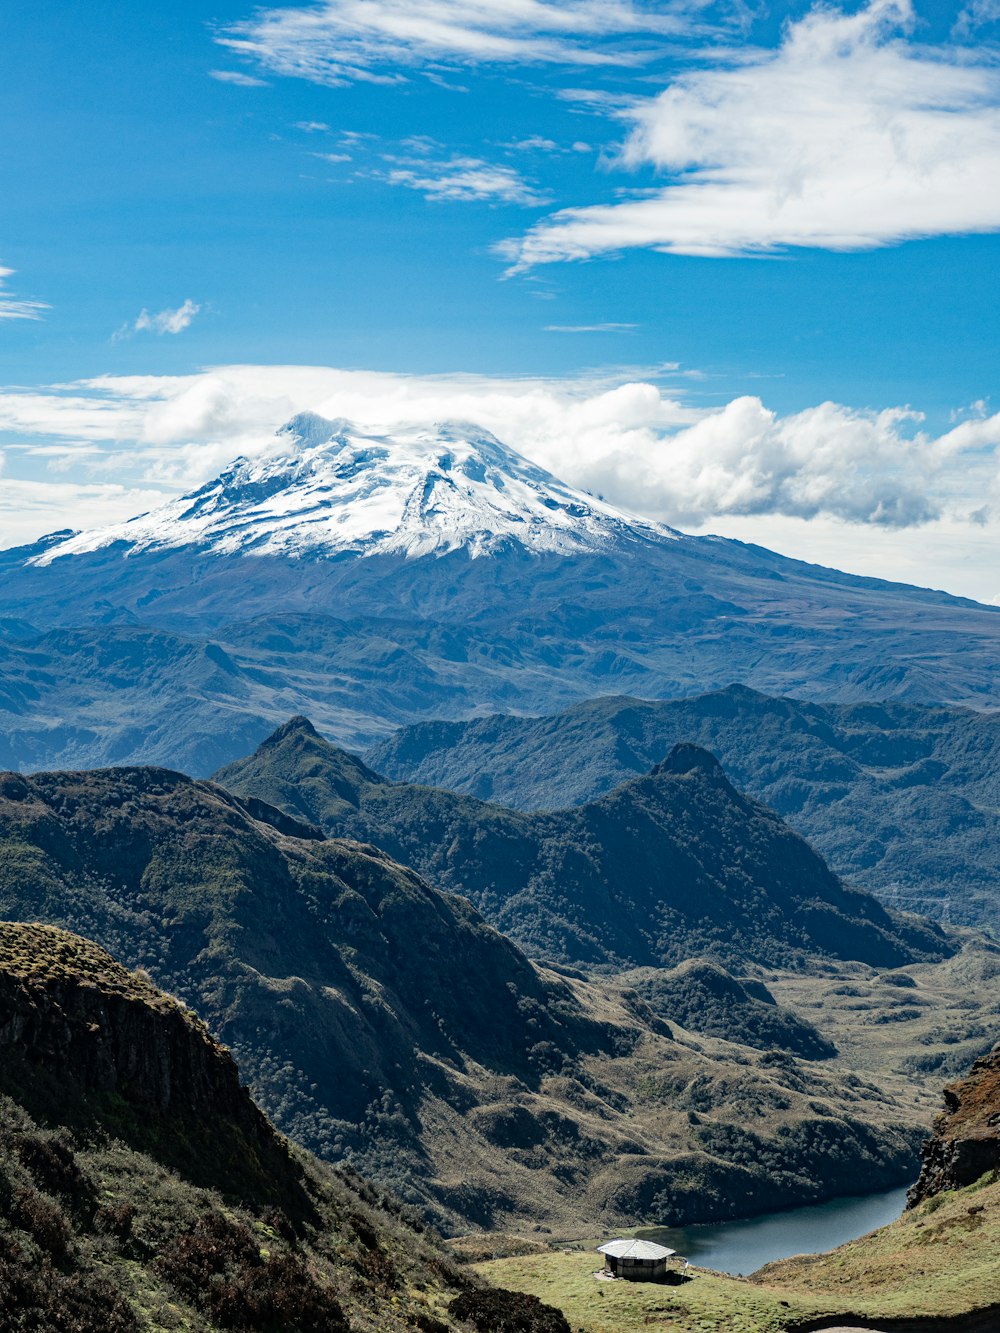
x: 634, y: 1249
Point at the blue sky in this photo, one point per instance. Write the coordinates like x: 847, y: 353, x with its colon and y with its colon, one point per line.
x: 744, y: 214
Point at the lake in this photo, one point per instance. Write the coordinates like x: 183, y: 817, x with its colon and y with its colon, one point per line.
x: 741, y: 1247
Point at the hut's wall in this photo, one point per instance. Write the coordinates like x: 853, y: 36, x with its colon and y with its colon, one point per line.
x: 641, y: 1270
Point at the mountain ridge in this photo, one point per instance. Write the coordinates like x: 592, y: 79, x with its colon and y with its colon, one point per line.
x: 672, y: 864
x: 383, y: 1023
x: 900, y: 799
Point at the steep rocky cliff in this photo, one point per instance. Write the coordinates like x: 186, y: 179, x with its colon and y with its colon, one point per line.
x: 84, y: 1041
x: 965, y: 1144
x: 141, y: 1188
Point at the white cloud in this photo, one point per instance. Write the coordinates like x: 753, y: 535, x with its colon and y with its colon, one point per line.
x: 338, y: 41
x: 312, y: 126
x: 862, y: 467
x: 535, y: 143
x: 590, y: 328
x: 639, y: 444
x: 235, y: 77
x: 949, y: 553
x: 464, y: 178
x: 14, y: 307
x: 976, y: 15
x: 873, y: 492
x: 166, y: 321
x: 846, y: 137
x: 30, y: 509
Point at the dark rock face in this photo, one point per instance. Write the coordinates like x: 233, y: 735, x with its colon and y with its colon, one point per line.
x: 86, y: 1040
x: 965, y: 1144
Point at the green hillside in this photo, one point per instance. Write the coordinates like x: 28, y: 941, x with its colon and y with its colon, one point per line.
x: 141, y: 1189
x: 668, y: 866
x: 932, y: 1271
x: 900, y: 799
x: 385, y: 1024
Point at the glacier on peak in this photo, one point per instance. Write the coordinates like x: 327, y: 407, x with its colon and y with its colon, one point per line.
x: 337, y: 487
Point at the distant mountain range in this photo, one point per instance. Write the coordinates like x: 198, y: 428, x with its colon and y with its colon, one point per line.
x: 370, y: 581
x: 902, y: 800
x: 666, y: 867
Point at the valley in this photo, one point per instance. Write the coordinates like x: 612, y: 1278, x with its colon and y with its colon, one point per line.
x: 383, y: 1022
x: 515, y: 977
x: 931, y: 1271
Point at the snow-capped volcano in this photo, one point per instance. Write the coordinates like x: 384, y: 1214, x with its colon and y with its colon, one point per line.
x: 421, y: 490
x: 183, y: 636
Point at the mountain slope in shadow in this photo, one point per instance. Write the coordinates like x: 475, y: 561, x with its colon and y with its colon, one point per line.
x: 668, y: 866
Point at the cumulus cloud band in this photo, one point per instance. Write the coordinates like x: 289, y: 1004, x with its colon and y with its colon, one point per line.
x: 637, y: 444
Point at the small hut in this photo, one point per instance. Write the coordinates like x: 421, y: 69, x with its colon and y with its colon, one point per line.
x: 635, y: 1260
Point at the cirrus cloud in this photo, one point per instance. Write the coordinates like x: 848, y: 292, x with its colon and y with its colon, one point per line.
x: 236, y: 77
x: 464, y: 178
x: 340, y: 41
x: 15, y: 307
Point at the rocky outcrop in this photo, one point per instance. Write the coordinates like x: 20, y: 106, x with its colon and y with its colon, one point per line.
x: 85, y: 1039
x: 117, y: 1109
x: 965, y: 1144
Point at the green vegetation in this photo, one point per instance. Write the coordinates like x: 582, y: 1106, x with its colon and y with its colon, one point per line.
x: 935, y: 1264
x: 706, y: 1304
x: 703, y: 997
x: 932, y: 1271
x: 385, y: 1025
x: 900, y: 799
x: 102, y: 1232
x: 667, y: 867
x: 938, y: 1260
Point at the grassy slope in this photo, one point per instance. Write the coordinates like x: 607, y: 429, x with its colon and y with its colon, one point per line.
x: 938, y: 1261
x: 934, y: 1270
x: 99, y: 1227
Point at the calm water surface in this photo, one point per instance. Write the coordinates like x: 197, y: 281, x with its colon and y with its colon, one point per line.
x: 741, y: 1247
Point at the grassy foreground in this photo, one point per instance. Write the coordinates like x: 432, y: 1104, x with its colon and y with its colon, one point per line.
x: 938, y: 1261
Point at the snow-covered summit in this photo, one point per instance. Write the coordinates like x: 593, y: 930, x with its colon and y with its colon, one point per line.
x: 420, y: 490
